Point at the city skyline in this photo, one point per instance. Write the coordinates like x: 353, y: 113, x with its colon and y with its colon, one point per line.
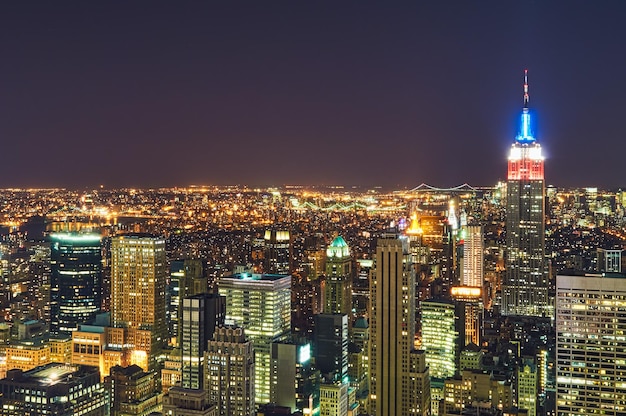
x: 268, y: 95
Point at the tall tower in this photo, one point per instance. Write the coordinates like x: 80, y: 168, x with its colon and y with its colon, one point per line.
x: 76, y: 280
x: 278, y: 252
x: 229, y: 370
x: 525, y: 286
x: 138, y: 274
x: 338, y: 288
x: 393, y: 365
x: 590, y: 345
x: 473, y: 252
x: 261, y: 304
x: 331, y: 345
x: 201, y: 315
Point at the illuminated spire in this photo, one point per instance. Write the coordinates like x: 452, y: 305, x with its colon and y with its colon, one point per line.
x: 525, y: 134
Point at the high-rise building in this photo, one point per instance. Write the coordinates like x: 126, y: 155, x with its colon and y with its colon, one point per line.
x: 527, y: 385
x: 278, y: 252
x: 187, y: 278
x: 609, y: 260
x: 440, y: 337
x: 525, y: 286
x: 229, y: 372
x: 590, y: 345
x: 179, y: 401
x: 338, y: 286
x: 261, y: 304
x: 133, y: 391
x: 331, y: 346
x: 201, y: 315
x: 473, y: 253
x: 138, y: 275
x: 392, y: 331
x: 295, y: 381
x: 75, y: 280
x: 358, y: 360
x: 334, y: 399
x: 54, y: 389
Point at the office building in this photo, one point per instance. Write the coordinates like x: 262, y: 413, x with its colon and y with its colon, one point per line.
x: 392, y: 331
x: 473, y: 252
x: 295, y: 382
x: 277, y: 252
x: 54, y: 389
x: 330, y: 346
x: 609, y: 260
x: 525, y: 285
x: 28, y: 354
x: 334, y: 399
x: 527, y: 385
x: 201, y: 314
x: 358, y: 360
x: 338, y: 285
x: 261, y: 305
x: 590, y: 345
x: 229, y: 372
x: 75, y: 280
x: 188, y: 402
x: 138, y: 275
x: 187, y: 278
x: 440, y: 337
x: 132, y: 391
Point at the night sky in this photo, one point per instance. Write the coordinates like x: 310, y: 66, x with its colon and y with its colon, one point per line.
x: 270, y: 93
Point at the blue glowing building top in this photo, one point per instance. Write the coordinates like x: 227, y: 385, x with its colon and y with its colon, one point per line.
x: 525, y: 134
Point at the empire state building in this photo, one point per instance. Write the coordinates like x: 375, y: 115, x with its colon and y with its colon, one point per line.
x: 525, y: 286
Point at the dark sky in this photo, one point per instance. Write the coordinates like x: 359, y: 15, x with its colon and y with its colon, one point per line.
x: 291, y: 92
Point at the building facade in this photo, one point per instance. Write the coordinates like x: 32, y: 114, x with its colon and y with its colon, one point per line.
x: 261, y: 305
x: 55, y: 390
x: 392, y: 331
x: 229, y: 372
x: 525, y: 286
x: 138, y: 277
x: 75, y: 280
x: 201, y: 315
x: 338, y: 285
x: 590, y: 345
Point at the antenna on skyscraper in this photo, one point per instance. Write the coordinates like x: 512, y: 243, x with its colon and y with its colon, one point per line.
x: 526, y: 88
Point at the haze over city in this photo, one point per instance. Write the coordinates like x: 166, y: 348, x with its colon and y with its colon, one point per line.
x: 152, y: 94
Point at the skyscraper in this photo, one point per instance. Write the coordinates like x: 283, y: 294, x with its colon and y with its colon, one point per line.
x: 138, y: 274
x: 201, y: 315
x: 392, y: 330
x: 473, y: 252
x: 229, y: 372
x: 525, y: 286
x: 331, y: 346
x: 261, y: 304
x: 278, y: 252
x: 590, y: 345
x: 338, y: 287
x: 76, y: 280
x: 440, y: 336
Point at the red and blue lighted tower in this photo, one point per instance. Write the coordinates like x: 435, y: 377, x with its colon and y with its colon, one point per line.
x: 525, y: 285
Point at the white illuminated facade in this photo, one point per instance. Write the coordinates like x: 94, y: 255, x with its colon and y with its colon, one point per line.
x: 439, y: 337
x: 473, y: 249
x: 591, y: 345
x: 261, y: 304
